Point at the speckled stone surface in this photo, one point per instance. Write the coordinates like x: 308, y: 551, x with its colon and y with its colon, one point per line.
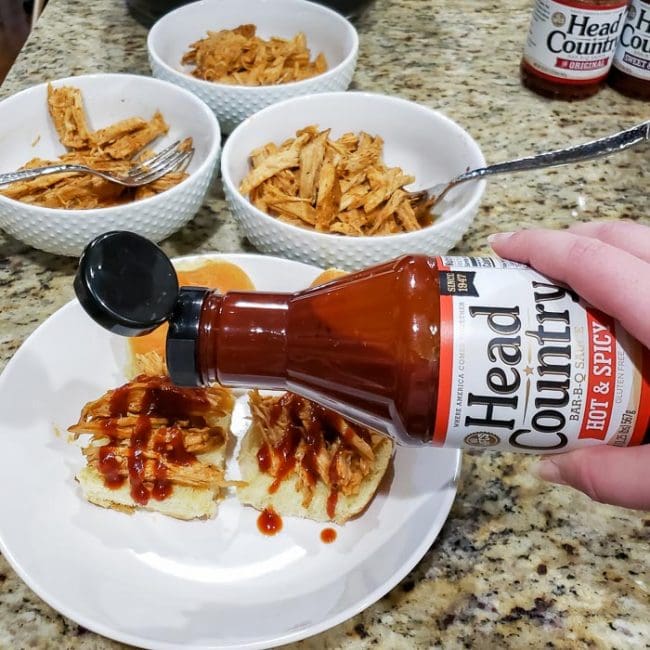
x: 518, y: 564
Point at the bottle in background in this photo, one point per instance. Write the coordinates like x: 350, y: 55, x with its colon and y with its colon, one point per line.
x: 630, y: 73
x: 570, y: 46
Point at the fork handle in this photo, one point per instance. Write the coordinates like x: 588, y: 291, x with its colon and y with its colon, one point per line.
x: 27, y: 174
x: 596, y: 148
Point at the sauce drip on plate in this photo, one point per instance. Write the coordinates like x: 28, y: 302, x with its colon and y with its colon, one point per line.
x: 269, y: 522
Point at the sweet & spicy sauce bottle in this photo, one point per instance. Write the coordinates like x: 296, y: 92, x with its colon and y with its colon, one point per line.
x: 630, y: 73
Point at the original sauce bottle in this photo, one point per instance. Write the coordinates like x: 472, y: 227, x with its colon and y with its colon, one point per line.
x: 570, y: 46
x: 449, y: 351
x: 630, y: 73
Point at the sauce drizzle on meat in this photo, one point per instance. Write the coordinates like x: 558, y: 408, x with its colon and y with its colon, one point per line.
x: 109, y: 466
x: 145, y: 422
x: 314, y: 441
x: 137, y: 460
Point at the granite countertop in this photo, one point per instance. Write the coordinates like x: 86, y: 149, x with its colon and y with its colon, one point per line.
x: 518, y: 563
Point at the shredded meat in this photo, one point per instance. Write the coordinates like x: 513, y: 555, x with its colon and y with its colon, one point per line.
x: 198, y: 475
x: 164, y: 425
x: 314, y: 442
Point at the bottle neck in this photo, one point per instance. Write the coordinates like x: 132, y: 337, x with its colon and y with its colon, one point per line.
x: 365, y: 345
x: 242, y: 339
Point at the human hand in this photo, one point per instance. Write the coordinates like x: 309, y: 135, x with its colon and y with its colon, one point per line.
x: 607, y: 264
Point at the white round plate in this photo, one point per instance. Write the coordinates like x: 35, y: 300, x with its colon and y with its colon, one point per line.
x: 156, y: 582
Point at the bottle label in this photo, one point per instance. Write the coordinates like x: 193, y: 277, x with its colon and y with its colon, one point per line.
x: 525, y: 365
x: 571, y: 42
x: 633, y: 52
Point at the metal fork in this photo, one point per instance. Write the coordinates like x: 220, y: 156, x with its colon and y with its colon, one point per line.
x: 602, y: 147
x: 175, y: 156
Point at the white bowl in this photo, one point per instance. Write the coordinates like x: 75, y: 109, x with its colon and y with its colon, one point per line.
x: 326, y: 32
x: 423, y: 142
x: 26, y: 131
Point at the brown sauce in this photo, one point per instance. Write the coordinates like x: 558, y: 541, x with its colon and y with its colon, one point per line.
x: 327, y: 535
x: 269, y: 522
x: 119, y: 404
x: 139, y: 491
x: 162, y: 486
x: 264, y: 458
x: 287, y: 452
x: 333, y: 497
x: 161, y: 399
x: 137, y: 460
x: 322, y: 425
x: 173, y: 450
x: 543, y: 69
x: 625, y: 77
x: 109, y: 467
x: 332, y: 500
x: 109, y: 427
x: 314, y: 439
x: 310, y: 465
x: 168, y: 401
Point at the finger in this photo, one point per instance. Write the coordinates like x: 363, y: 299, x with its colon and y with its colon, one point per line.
x: 608, y: 278
x: 616, y: 475
x: 626, y: 235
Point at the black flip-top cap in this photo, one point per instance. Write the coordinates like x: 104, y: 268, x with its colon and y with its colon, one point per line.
x: 182, y: 337
x: 126, y: 283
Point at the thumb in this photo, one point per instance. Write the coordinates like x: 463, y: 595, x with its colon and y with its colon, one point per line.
x: 616, y: 475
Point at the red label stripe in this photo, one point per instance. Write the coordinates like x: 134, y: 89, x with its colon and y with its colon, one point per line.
x: 643, y: 414
x: 562, y: 80
x: 445, y: 368
x: 576, y: 4
x: 601, y: 382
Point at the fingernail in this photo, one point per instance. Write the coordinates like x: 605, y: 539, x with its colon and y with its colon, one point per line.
x: 498, y: 237
x: 547, y: 470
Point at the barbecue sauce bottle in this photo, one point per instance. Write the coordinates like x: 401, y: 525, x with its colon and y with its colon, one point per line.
x: 570, y: 46
x: 447, y: 351
x: 630, y: 73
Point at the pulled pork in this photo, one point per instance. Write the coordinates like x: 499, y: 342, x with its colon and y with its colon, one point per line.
x: 318, y: 444
x: 149, y: 432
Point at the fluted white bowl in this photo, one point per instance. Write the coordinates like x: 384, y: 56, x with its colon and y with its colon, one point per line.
x: 26, y: 132
x: 325, y: 30
x: 423, y: 142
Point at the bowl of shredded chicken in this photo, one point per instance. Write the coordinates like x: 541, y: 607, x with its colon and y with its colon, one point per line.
x: 111, y: 123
